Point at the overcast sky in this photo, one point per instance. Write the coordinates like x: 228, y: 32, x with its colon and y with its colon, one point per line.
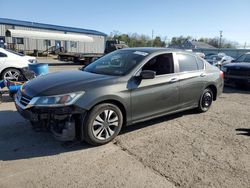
x: 197, y: 18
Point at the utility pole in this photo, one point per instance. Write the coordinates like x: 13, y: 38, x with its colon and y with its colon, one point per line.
x: 152, y: 37
x: 245, y: 45
x: 220, y: 39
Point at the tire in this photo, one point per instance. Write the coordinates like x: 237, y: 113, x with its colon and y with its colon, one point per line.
x: 206, y: 100
x: 11, y: 74
x: 103, y: 123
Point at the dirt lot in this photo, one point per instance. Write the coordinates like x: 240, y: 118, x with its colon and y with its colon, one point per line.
x: 182, y: 150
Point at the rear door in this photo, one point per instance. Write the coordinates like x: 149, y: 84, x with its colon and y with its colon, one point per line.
x: 152, y: 97
x: 192, y: 79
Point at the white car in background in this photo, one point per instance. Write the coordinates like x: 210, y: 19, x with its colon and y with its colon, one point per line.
x: 12, y: 64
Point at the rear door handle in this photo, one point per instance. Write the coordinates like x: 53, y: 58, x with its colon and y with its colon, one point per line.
x: 203, y: 74
x: 174, y: 80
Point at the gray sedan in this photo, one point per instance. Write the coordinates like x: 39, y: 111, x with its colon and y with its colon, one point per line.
x: 122, y: 88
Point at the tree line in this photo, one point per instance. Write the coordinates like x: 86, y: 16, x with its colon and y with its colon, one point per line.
x: 141, y: 40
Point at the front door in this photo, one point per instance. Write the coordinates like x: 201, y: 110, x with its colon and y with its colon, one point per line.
x: 153, y: 97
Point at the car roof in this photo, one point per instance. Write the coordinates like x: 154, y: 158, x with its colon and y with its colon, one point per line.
x: 151, y: 50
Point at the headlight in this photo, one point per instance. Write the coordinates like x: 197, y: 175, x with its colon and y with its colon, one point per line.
x: 224, y: 69
x: 57, y: 100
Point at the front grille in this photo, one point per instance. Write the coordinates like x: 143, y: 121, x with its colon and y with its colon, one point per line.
x: 239, y: 72
x: 24, y: 100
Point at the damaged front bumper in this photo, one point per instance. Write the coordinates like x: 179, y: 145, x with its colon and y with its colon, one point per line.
x: 61, y: 121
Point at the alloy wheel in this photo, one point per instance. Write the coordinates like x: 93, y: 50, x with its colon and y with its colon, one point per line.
x: 11, y: 75
x: 105, y: 124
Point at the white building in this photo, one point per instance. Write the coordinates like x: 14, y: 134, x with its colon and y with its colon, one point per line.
x: 29, y: 36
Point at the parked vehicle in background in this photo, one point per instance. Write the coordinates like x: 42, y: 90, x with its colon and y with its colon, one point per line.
x: 219, y: 59
x: 121, y: 88
x: 86, y: 58
x: 13, y: 63
x: 238, y: 72
x: 200, y: 54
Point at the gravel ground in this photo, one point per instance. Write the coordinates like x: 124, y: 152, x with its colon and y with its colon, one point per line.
x: 183, y: 150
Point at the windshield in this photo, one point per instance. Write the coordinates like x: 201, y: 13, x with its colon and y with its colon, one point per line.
x: 119, y: 62
x: 243, y: 58
x: 19, y: 54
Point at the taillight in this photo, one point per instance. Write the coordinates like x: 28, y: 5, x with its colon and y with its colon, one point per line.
x: 222, y: 74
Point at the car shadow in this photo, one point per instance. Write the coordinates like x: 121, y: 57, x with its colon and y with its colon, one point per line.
x: 242, y: 90
x: 19, y: 141
x: 243, y: 131
x: 161, y: 119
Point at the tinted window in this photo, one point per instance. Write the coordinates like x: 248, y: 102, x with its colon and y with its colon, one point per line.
x: 247, y: 59
x: 200, y: 64
x: 19, y: 54
x: 161, y: 64
x: 187, y: 62
x: 243, y: 58
x: 2, y: 54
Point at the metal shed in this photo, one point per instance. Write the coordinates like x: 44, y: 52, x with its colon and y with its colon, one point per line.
x: 54, y: 36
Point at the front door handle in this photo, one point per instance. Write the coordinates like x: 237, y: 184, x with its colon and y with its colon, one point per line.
x: 174, y: 80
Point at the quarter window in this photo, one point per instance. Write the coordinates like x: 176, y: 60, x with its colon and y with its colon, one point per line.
x: 187, y: 62
x: 161, y: 64
x: 200, y: 64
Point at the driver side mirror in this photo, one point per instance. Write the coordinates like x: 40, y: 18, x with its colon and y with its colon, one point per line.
x: 147, y: 74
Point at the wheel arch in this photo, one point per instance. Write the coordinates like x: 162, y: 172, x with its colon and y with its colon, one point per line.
x: 119, y: 104
x: 214, y: 90
x: 1, y: 73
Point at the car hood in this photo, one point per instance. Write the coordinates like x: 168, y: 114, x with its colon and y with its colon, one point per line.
x: 62, y: 82
x: 240, y: 65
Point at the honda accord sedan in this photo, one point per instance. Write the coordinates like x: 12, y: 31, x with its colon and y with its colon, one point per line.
x: 121, y: 88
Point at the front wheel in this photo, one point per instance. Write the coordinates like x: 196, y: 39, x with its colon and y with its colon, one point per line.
x: 11, y: 74
x: 206, y: 100
x: 103, y: 124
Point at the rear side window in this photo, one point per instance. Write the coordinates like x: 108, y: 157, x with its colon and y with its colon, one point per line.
x: 2, y: 54
x: 200, y: 64
x: 187, y: 62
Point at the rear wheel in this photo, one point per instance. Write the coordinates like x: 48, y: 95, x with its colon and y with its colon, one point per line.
x: 205, y: 100
x: 11, y: 74
x: 103, y: 124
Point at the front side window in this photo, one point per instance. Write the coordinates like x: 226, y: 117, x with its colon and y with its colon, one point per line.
x: 2, y: 55
x: 187, y: 62
x: 161, y: 64
x: 119, y: 62
x: 19, y: 40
